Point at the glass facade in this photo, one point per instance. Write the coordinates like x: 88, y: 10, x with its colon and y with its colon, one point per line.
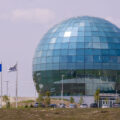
x: 86, y: 50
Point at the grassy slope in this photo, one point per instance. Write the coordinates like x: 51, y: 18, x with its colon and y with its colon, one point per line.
x: 59, y: 114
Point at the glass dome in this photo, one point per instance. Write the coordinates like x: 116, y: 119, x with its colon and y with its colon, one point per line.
x: 86, y: 50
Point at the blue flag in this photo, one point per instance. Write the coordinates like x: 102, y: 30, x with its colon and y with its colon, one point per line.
x: 0, y: 67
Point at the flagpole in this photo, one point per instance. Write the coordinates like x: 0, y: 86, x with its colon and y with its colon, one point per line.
x: 1, y: 84
x: 17, y: 86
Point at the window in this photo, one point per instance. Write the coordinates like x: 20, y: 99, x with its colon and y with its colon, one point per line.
x: 88, y: 34
x: 80, y: 33
x: 72, y: 52
x: 80, y: 45
x: 88, y: 51
x: 57, y: 46
x: 73, y: 39
x: 88, y: 59
x: 88, y: 45
x: 104, y: 45
x: 82, y: 24
x: 55, y: 59
x: 63, y: 59
x: 80, y: 39
x: 80, y: 58
x: 65, y: 40
x: 51, y: 46
x: 67, y: 34
x: 105, y: 59
x: 96, y: 45
x: 88, y: 39
x: 49, y: 53
x: 97, y: 59
x: 72, y: 45
x: 64, y: 46
x: 95, y: 39
x: 49, y: 59
x: 80, y: 52
x: 56, y: 53
x: 64, y: 52
x: 53, y: 40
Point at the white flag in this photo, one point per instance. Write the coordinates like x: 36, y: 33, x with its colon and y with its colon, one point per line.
x: 12, y: 69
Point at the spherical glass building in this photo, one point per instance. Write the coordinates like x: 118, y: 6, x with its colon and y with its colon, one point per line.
x: 84, y: 52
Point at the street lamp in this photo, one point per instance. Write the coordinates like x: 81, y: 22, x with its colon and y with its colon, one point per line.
x: 62, y: 89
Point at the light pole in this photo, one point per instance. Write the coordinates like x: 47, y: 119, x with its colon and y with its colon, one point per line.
x: 1, y: 87
x: 62, y: 90
x: 7, y: 82
x: 116, y: 95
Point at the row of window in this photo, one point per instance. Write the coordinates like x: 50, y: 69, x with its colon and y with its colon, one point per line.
x: 76, y: 28
x: 79, y: 45
x: 86, y: 59
x: 80, y: 33
x: 63, y: 66
x: 62, y: 40
x: 76, y: 52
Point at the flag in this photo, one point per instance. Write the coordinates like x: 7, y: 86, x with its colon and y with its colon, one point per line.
x: 12, y: 69
x: 0, y: 67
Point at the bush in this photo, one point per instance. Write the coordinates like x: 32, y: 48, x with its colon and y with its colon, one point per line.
x: 26, y: 106
x: 31, y: 106
x: 8, y: 105
x: 71, y: 100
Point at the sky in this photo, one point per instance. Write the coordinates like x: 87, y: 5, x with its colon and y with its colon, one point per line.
x: 24, y: 22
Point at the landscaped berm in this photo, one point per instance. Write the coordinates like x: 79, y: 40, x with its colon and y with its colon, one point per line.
x: 59, y: 114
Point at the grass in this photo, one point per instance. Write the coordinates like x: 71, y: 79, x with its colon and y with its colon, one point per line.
x: 59, y: 114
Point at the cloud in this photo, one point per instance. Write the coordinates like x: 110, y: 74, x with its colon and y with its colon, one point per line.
x: 30, y: 15
x: 114, y: 20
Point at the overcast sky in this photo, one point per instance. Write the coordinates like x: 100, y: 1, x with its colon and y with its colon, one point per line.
x: 24, y: 22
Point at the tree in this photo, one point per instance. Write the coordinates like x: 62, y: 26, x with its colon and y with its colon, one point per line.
x: 7, y: 101
x: 40, y: 98
x: 47, y: 99
x: 96, y: 96
x: 81, y: 100
x: 71, y: 100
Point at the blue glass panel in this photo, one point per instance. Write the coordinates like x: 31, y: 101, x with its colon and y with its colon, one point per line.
x: 88, y: 39
x: 88, y: 51
x: 55, y: 59
x: 65, y: 46
x: 57, y: 46
x: 95, y: 39
x: 105, y: 59
x: 63, y: 59
x: 80, y: 52
x: 105, y: 52
x: 64, y: 52
x: 73, y: 39
x: 72, y: 52
x: 88, y: 45
x: 97, y: 52
x: 80, y: 45
x: 80, y: 59
x: 89, y: 59
x: 97, y: 59
x: 80, y: 39
x: 56, y: 53
x: 113, y: 59
x: 72, y: 45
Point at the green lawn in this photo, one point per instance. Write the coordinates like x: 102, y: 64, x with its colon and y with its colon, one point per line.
x: 59, y: 114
